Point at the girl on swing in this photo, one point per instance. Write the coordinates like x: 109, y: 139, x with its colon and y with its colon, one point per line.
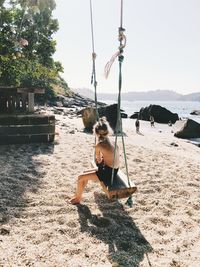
x: 104, y: 154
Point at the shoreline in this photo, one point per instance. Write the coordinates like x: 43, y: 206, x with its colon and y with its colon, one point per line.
x: 178, y: 107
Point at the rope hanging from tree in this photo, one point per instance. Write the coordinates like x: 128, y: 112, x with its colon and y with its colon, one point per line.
x: 119, y: 129
x: 93, y: 76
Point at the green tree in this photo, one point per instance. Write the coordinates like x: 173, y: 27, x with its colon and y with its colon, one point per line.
x: 27, y: 45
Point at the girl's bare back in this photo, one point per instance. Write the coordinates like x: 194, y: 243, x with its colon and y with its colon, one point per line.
x: 105, y: 151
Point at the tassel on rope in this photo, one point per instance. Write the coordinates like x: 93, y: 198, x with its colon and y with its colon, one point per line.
x: 122, y: 40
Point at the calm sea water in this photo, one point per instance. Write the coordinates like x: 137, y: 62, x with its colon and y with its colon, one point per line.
x: 182, y: 108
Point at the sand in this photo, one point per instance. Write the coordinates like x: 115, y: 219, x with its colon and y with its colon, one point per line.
x: 38, y: 227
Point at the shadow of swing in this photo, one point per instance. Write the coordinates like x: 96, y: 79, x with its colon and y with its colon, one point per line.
x: 126, y: 245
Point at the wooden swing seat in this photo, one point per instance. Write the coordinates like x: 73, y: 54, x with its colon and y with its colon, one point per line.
x: 119, y: 188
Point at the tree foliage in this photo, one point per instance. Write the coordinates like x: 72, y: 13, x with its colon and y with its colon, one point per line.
x: 27, y: 45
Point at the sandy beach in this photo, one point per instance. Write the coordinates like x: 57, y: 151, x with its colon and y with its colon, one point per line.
x: 38, y: 227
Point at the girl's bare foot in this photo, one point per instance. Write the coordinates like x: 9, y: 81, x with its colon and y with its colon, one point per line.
x: 74, y: 201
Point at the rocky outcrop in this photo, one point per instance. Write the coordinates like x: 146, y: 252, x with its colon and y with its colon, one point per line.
x: 134, y: 115
x: 160, y: 114
x: 124, y: 115
x: 190, y: 129
x: 110, y: 112
x: 195, y: 112
x: 73, y: 101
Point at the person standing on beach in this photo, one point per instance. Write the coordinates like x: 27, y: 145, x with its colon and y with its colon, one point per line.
x: 137, y: 125
x: 106, y: 155
x: 152, y: 121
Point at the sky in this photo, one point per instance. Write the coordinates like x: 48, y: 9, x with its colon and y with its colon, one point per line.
x: 162, y: 50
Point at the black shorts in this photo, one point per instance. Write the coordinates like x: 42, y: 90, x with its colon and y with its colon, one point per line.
x: 104, y: 174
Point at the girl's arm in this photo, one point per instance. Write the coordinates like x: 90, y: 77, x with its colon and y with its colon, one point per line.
x: 98, y: 154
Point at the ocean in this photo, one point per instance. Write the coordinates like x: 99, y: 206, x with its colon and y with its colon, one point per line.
x: 182, y: 108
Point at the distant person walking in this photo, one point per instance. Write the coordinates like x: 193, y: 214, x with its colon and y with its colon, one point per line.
x: 152, y: 121
x: 137, y: 125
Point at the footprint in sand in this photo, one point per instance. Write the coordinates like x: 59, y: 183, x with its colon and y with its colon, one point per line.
x: 196, y: 206
x: 161, y: 221
x: 193, y: 185
x: 72, y: 224
x: 161, y: 232
x: 148, y: 191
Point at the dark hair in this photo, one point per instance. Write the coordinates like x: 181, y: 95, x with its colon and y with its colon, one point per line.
x: 102, y: 128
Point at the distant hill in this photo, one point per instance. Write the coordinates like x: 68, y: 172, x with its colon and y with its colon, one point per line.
x: 152, y: 95
x: 159, y: 95
x: 190, y: 97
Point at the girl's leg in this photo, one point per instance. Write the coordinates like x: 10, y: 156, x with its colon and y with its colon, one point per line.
x: 90, y: 170
x: 81, y: 184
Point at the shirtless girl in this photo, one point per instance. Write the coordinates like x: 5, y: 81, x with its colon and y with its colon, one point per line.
x: 104, y: 152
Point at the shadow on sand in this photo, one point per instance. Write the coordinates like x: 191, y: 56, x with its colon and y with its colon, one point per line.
x: 127, y: 247
x: 139, y: 133
x: 20, y: 172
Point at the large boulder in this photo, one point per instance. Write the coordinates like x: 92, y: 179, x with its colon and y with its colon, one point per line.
x: 110, y: 112
x: 89, y: 117
x: 195, y: 112
x: 160, y: 114
x: 189, y: 129
x: 134, y: 115
x: 124, y: 115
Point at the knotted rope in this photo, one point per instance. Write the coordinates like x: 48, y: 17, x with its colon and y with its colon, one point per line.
x: 93, y: 76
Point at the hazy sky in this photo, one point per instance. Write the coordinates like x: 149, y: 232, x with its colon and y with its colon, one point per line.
x: 163, y: 44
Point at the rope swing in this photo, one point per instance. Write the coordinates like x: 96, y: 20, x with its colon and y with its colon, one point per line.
x: 120, y: 187
x: 119, y: 129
